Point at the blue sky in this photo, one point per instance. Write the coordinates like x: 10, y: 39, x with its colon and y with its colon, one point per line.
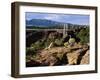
x: 66, y: 18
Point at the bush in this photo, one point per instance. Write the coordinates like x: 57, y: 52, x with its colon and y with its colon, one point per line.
x: 38, y: 45
x: 84, y: 35
x: 71, y: 40
x: 34, y: 47
x: 58, y: 42
x: 30, y: 57
x: 30, y: 51
x: 47, y: 43
x: 66, y: 44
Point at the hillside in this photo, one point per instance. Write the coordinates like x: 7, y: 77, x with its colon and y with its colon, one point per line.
x: 44, y: 24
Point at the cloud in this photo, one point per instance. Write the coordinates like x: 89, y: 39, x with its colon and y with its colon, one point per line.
x: 58, y: 17
x: 52, y: 17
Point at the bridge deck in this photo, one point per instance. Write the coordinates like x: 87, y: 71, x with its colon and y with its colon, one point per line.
x: 49, y: 29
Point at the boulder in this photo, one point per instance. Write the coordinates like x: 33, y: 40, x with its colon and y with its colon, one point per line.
x: 73, y: 57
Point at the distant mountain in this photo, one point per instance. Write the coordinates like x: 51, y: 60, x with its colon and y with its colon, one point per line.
x: 41, y: 23
x: 44, y: 23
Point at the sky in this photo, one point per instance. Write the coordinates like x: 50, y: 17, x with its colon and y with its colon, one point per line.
x: 65, y: 18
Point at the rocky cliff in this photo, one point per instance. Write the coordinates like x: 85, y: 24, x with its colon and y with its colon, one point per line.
x: 78, y: 54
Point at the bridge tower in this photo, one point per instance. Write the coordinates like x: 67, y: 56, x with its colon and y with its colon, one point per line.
x: 65, y: 29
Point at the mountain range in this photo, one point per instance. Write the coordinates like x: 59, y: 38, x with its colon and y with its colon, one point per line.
x: 44, y: 23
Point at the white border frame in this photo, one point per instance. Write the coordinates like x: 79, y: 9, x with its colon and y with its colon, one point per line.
x: 54, y: 69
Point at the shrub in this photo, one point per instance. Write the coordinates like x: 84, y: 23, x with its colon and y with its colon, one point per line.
x: 58, y: 42
x: 66, y: 44
x: 30, y: 51
x: 47, y: 43
x: 30, y: 57
x: 84, y: 35
x: 71, y: 40
x: 38, y: 45
x: 34, y: 47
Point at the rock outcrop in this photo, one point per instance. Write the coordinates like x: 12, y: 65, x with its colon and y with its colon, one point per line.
x: 62, y: 56
x: 85, y: 59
